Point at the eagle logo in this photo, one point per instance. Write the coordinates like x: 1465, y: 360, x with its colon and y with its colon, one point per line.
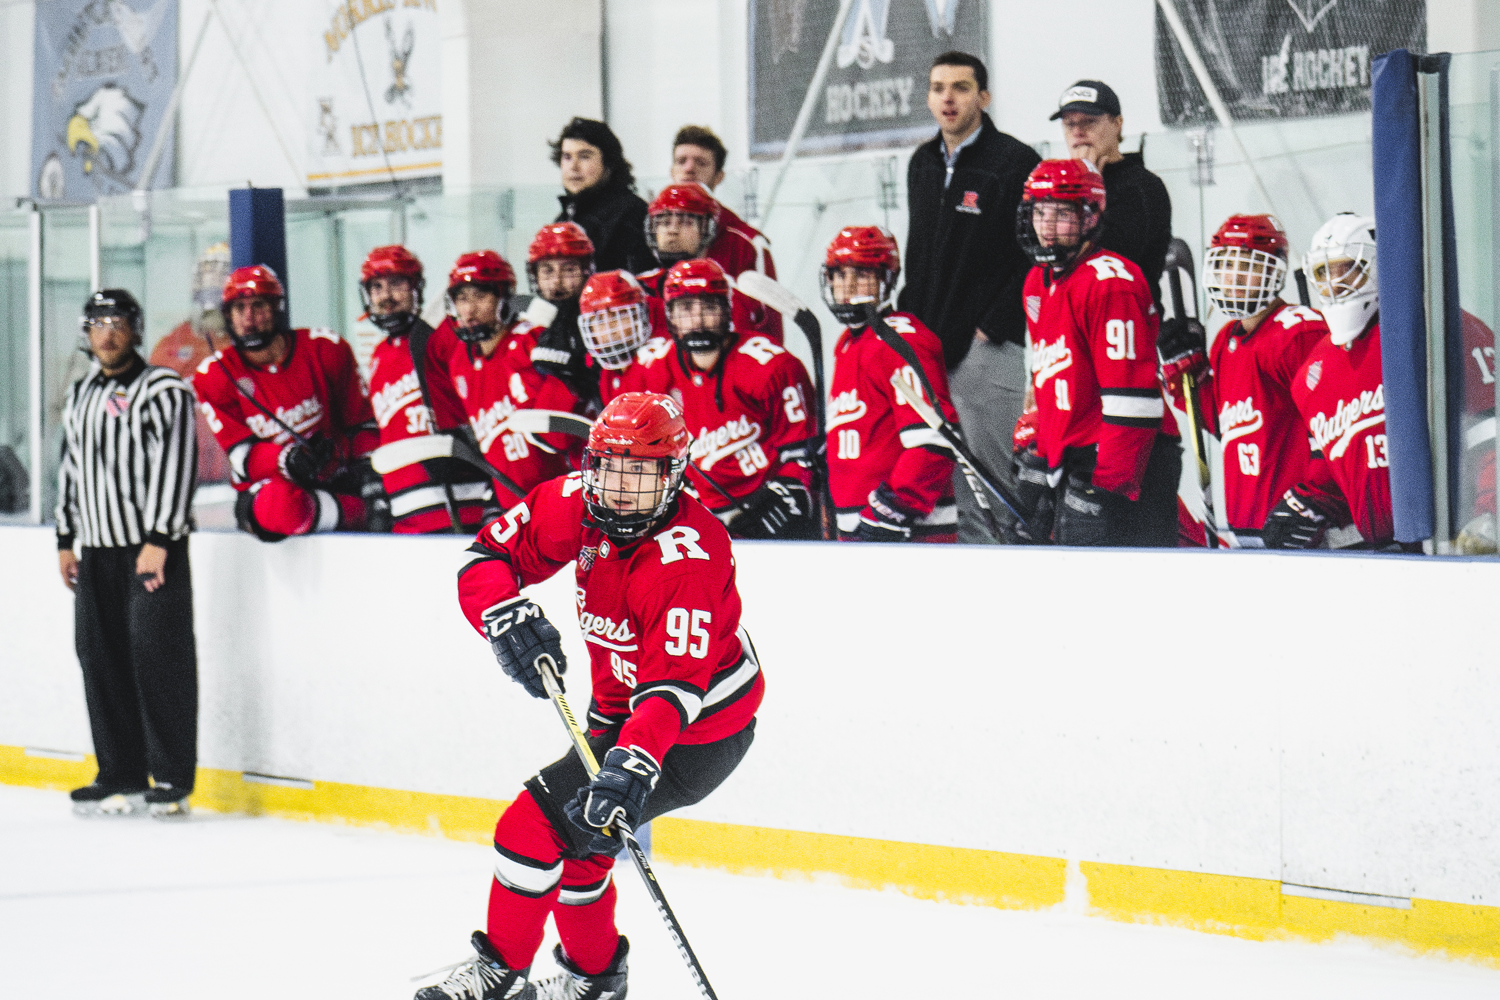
x: 105, y: 130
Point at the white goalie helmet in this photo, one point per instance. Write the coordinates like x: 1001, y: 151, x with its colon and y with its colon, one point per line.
x: 1340, y: 265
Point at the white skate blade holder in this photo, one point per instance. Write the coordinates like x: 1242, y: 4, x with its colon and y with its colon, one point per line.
x: 116, y: 805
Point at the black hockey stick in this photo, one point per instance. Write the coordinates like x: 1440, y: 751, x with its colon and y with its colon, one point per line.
x: 948, y: 432
x: 547, y: 667
x: 1179, y: 269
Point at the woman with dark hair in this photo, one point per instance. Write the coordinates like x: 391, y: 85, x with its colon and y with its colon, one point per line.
x: 599, y: 195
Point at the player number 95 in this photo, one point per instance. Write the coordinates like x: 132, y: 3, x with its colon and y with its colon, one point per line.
x: 687, y: 632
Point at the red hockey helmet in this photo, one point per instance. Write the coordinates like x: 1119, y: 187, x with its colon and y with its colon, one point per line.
x: 487, y: 270
x: 393, y: 261
x: 682, y: 201
x: 1245, y: 267
x: 868, y: 247
x: 633, y: 463
x: 1076, y: 188
x: 560, y: 241
x: 688, y: 288
x: 613, y: 318
x: 256, y: 281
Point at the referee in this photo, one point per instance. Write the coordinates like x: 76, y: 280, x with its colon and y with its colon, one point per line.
x: 129, y: 466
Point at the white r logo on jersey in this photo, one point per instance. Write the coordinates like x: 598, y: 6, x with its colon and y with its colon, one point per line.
x: 674, y: 541
x: 1109, y: 267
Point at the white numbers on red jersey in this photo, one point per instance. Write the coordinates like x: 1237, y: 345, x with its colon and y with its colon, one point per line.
x: 505, y: 529
x: 1249, y: 459
x: 1109, y: 267
x: 687, y: 632
x: 653, y: 350
x: 796, y: 410
x: 910, y: 377
x: 761, y: 349
x: 900, y: 324
x: 1376, y: 455
x: 572, y: 484
x: 848, y: 444
x: 416, y: 420
x: 1060, y: 390
x: 518, y: 388
x: 1292, y: 315
x: 211, y: 418
x: 323, y: 333
x: 515, y: 445
x: 1484, y: 357
x: 676, y: 541
x: 623, y: 669
x: 751, y: 457
x: 205, y: 363
x: 1119, y: 334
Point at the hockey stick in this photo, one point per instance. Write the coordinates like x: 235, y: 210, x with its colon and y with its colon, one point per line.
x: 547, y: 667
x: 776, y: 295
x: 399, y: 454
x: 977, y: 484
x: 949, y: 433
x: 1179, y: 266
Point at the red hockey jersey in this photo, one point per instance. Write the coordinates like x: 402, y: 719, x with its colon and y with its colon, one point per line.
x: 1093, y: 364
x: 739, y: 247
x: 493, y: 388
x: 1248, y: 405
x: 316, y: 390
x: 875, y: 437
x: 1340, y: 393
x: 661, y: 617
x: 750, y: 418
x: 1479, y: 410
x: 747, y: 316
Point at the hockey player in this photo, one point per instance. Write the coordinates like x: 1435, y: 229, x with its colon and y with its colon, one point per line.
x: 681, y: 224
x: 558, y: 262
x: 675, y: 689
x: 1245, y: 386
x: 436, y: 495
x: 494, y: 375
x: 748, y: 400
x: 615, y: 320
x: 890, y: 475
x: 1340, y: 392
x: 698, y: 156
x: 288, y: 408
x: 1106, y: 458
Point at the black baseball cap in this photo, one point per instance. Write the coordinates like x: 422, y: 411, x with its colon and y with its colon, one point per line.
x: 1092, y: 97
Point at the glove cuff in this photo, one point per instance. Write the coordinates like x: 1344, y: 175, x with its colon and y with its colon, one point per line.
x: 889, y: 508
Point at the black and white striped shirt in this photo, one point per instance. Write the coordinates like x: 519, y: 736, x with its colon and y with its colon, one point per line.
x: 130, y: 459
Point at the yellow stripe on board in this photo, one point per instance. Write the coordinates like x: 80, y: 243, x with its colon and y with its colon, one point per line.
x: 1216, y: 904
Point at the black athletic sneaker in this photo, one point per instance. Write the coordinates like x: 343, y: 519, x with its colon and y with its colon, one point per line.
x: 483, y: 977
x: 574, y: 984
x: 108, y: 800
x: 164, y: 800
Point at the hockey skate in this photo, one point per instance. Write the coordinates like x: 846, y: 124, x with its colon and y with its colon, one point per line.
x: 483, y: 977
x: 573, y: 984
x: 164, y: 801
x: 105, y: 800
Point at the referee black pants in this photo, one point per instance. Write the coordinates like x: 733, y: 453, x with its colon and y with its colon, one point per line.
x: 140, y: 667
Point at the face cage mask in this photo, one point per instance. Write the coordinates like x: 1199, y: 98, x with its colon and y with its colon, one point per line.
x: 1349, y: 300
x: 505, y: 314
x: 852, y: 314
x: 394, y: 324
x: 586, y: 267
x: 702, y: 340
x: 1056, y: 256
x: 256, y: 341
x: 1262, y: 276
x: 707, y: 229
x: 612, y: 336
x: 636, y: 523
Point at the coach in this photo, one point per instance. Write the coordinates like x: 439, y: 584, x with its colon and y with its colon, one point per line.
x: 964, y: 268
x: 125, y: 490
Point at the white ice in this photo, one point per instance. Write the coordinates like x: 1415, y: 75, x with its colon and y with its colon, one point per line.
x: 226, y: 907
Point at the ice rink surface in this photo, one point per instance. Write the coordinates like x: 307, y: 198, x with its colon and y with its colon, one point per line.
x: 228, y: 907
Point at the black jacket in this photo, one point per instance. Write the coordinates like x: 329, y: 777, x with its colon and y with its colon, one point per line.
x: 1137, y: 217
x: 964, y: 268
x: 615, y: 219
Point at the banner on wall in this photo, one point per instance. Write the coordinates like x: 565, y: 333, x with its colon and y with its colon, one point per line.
x: 375, y: 110
x: 875, y: 93
x: 1274, y: 59
x: 103, y: 75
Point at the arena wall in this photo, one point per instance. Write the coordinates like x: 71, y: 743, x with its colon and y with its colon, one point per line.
x: 1168, y: 736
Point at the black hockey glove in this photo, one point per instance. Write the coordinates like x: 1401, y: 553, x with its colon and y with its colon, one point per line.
x: 1090, y: 515
x: 1297, y: 522
x: 782, y: 508
x: 886, y: 519
x: 1183, y: 347
x: 519, y: 633
x: 617, y: 792
x: 1035, y: 492
x: 303, y: 464
x: 560, y: 352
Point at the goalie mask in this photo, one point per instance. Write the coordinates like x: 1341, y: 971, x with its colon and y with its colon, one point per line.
x: 1340, y: 265
x: 861, y: 265
x: 1245, y: 267
x: 257, y: 282
x: 681, y: 223
x: 633, y: 464
x: 613, y: 318
x: 696, y: 293
x: 487, y: 271
x: 392, y: 262
x: 1061, y: 210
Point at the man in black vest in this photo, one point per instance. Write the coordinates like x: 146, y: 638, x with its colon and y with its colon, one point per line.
x: 964, y: 268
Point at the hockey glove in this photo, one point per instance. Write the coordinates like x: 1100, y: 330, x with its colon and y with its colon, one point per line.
x: 782, y: 508
x: 1184, y: 351
x: 1090, y: 515
x: 1034, y: 490
x: 1297, y: 522
x: 886, y: 519
x: 303, y: 463
x: 560, y: 352
x: 1025, y: 431
x: 519, y: 633
x: 618, y: 792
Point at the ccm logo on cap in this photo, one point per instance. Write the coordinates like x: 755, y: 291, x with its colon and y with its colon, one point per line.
x: 1087, y: 95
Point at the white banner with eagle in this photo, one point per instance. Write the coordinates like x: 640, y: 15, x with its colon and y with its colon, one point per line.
x: 376, y: 101
x: 104, y: 73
